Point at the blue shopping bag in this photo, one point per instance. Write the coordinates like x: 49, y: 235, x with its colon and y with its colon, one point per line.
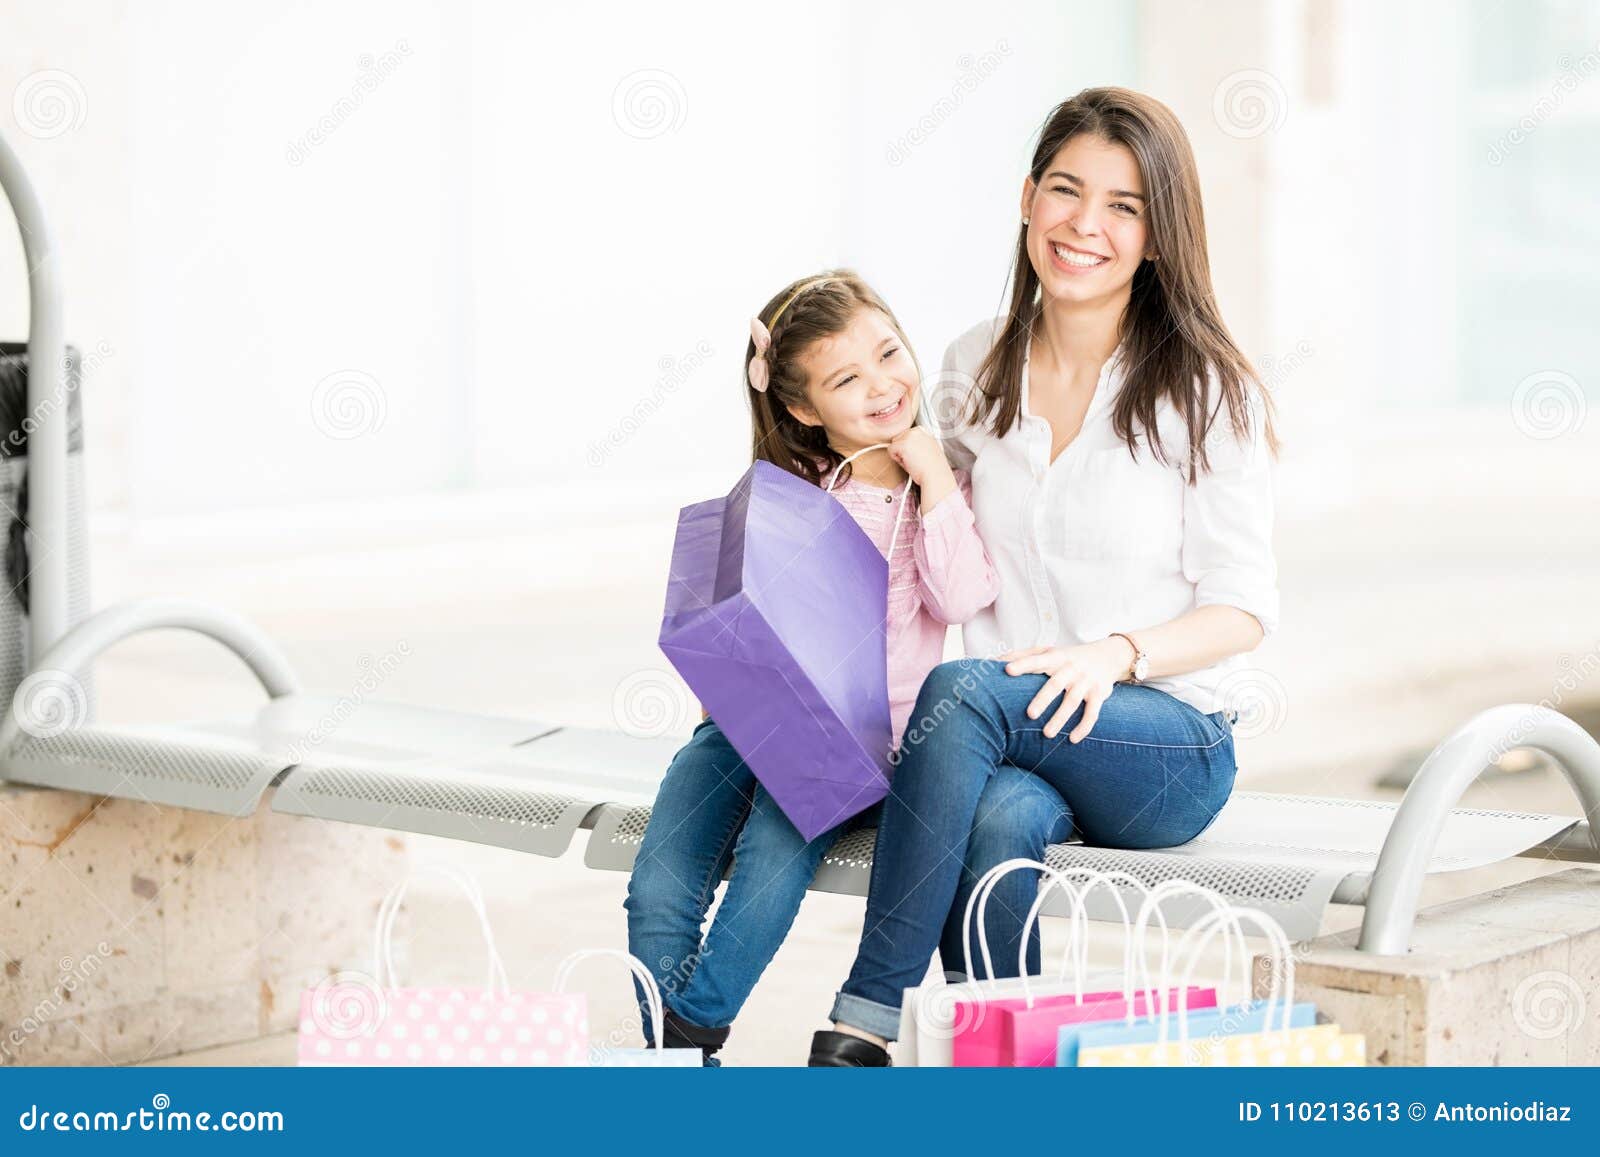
x: 1232, y: 1020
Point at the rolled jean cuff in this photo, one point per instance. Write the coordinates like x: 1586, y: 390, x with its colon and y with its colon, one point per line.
x: 867, y: 1015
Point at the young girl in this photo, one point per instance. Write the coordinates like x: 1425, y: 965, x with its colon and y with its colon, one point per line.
x: 829, y: 374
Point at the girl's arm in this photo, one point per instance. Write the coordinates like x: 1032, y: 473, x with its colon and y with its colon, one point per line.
x: 954, y: 575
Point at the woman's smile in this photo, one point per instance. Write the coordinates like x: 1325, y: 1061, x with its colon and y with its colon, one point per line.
x: 1074, y: 261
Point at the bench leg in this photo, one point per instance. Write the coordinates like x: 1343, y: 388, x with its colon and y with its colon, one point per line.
x: 1446, y: 774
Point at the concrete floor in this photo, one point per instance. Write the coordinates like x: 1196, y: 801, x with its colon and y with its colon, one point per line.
x: 1399, y: 623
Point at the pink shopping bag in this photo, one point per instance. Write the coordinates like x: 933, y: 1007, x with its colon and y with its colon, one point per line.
x: 356, y: 1018
x: 1010, y: 1033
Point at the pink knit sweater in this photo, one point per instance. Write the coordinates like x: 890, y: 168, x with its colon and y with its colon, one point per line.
x: 940, y: 575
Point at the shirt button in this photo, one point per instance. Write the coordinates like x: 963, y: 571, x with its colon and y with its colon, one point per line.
x: 888, y: 497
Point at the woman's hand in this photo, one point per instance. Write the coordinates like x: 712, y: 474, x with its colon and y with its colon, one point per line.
x: 919, y: 454
x: 1082, y: 674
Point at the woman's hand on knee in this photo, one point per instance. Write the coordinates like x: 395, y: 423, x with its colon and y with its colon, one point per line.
x: 1080, y: 676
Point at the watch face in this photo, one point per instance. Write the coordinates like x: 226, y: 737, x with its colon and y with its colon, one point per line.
x: 1141, y: 667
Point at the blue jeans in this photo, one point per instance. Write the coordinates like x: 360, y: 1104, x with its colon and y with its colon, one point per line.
x: 1153, y: 773
x: 711, y: 811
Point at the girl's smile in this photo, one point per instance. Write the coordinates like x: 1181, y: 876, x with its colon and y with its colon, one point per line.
x: 892, y: 411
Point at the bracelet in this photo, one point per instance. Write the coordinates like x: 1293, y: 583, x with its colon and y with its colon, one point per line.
x: 1139, y: 665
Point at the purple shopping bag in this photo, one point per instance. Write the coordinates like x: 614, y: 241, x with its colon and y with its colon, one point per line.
x: 775, y: 618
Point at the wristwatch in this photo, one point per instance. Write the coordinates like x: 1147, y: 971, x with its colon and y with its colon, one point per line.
x: 1141, y: 661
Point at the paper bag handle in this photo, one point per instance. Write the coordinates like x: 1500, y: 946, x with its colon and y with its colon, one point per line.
x: 383, y: 929
x: 1282, y: 981
x: 652, y: 990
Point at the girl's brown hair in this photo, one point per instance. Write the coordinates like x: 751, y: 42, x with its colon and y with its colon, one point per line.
x: 820, y: 306
x: 1173, y: 338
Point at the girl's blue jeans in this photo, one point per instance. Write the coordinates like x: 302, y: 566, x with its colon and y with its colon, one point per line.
x: 711, y: 811
x: 1153, y: 773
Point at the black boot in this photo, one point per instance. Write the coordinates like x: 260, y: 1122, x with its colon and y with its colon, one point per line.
x: 678, y: 1033
x: 840, y: 1050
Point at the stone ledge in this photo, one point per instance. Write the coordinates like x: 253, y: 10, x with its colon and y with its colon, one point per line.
x: 1508, y: 977
x: 130, y: 931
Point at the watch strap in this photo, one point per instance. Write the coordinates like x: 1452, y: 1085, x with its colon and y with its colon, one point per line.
x: 1138, y: 654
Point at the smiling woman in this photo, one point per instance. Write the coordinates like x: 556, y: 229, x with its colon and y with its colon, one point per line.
x: 1119, y: 450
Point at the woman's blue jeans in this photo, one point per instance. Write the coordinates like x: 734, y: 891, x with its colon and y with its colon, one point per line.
x: 711, y: 811
x: 1153, y: 773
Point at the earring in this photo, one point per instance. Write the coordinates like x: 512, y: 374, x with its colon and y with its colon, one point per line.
x: 1025, y: 220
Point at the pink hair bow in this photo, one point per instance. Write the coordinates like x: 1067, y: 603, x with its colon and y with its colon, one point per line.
x: 758, y: 364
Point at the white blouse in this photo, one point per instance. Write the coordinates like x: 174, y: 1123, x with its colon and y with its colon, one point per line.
x: 1099, y: 542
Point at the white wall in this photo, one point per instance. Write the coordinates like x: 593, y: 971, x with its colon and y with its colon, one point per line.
x: 525, y: 255
x: 520, y: 253
x: 888, y: 137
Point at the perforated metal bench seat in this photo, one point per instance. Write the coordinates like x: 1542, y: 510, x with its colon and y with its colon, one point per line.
x: 528, y: 785
x: 1288, y: 855
x: 516, y: 783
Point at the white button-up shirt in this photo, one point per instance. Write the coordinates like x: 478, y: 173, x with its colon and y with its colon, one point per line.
x: 1099, y: 541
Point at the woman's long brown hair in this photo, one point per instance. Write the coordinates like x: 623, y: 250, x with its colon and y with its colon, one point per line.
x: 821, y: 309
x: 1173, y: 339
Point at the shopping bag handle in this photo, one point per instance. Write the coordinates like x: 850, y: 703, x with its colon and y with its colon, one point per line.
x: 894, y: 535
x: 1152, y: 907
x: 652, y: 990
x: 383, y: 929
x: 978, y: 902
x: 1095, y: 879
x: 1282, y: 977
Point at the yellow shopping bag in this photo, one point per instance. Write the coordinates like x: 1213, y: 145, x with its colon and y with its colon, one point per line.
x: 1318, y: 1045
x: 1283, y: 1047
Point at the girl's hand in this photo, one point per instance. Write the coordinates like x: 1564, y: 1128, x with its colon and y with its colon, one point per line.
x: 919, y: 454
x: 1082, y: 674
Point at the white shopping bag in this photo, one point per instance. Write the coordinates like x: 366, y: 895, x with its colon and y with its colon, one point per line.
x: 611, y: 1055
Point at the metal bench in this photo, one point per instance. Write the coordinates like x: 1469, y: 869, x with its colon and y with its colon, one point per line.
x: 530, y: 785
